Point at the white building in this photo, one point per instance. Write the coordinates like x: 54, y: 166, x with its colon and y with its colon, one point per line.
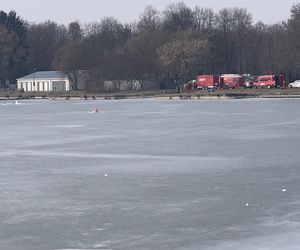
x: 44, y: 81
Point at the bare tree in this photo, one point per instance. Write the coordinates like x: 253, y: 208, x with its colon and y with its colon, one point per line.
x: 242, y: 22
x: 70, y: 60
x: 178, y: 17
x: 293, y: 34
x: 205, y: 21
x: 182, y: 57
x: 13, y: 47
x: 8, y: 45
x: 225, y: 40
x: 44, y: 41
x: 74, y: 31
x: 150, y: 19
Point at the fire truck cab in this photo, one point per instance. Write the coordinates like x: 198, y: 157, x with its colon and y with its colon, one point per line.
x: 270, y: 81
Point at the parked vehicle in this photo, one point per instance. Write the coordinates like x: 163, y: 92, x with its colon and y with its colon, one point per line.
x: 189, y: 85
x: 231, y: 81
x: 270, y: 81
x: 207, y: 82
x: 248, y: 80
x: 295, y: 84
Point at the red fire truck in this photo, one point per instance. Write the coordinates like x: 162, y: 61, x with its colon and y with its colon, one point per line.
x: 207, y: 82
x: 231, y: 81
x: 270, y: 81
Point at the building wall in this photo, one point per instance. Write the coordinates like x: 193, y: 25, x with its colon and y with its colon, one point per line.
x: 40, y: 85
x: 46, y: 85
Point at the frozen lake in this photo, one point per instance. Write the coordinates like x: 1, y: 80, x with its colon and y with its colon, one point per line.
x: 149, y: 174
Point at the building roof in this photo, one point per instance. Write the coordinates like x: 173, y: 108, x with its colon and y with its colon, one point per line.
x: 44, y: 75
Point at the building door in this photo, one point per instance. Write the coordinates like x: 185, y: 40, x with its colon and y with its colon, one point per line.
x: 59, y: 86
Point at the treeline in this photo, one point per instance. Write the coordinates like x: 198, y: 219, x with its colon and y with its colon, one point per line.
x: 177, y: 43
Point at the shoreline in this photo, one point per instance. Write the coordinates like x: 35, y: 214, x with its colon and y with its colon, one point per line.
x: 158, y: 94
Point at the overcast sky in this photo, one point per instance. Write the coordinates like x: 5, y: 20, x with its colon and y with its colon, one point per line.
x: 66, y: 11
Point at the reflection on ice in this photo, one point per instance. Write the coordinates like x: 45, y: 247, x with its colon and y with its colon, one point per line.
x: 114, y: 156
x: 66, y: 126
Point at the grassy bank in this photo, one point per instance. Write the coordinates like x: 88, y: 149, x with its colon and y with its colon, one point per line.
x: 225, y: 93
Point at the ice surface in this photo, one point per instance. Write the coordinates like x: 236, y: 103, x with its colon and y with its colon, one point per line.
x: 150, y: 174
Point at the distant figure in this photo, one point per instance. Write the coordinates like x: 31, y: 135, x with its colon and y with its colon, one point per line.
x: 96, y: 110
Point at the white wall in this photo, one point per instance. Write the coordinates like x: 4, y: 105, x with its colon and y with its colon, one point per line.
x: 41, y: 85
x: 49, y: 84
x: 29, y: 87
x: 67, y: 85
x: 46, y: 86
